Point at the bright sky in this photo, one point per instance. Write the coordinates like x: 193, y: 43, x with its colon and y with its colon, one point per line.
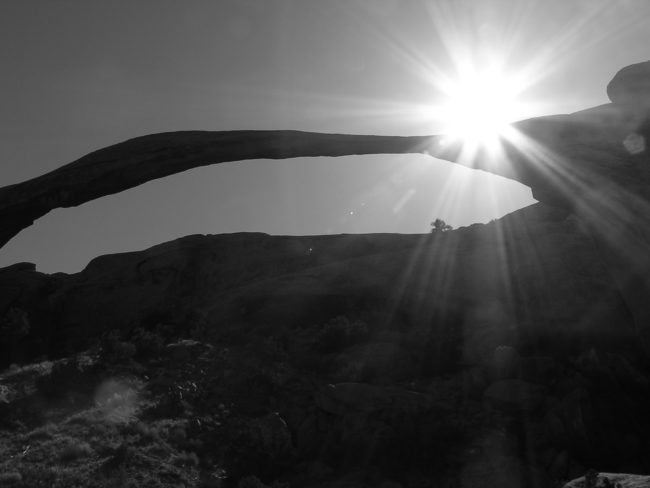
x: 78, y: 75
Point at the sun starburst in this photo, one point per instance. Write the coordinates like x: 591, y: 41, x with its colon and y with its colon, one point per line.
x: 479, y: 106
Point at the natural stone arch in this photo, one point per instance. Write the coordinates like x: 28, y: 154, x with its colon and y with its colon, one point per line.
x: 131, y: 163
x: 578, y: 162
x: 134, y: 162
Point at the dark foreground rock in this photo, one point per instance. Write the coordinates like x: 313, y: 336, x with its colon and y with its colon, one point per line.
x: 614, y: 480
x: 455, y: 292
x: 335, y: 360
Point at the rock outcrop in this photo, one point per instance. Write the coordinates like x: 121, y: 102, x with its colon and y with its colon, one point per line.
x: 546, y: 290
x: 504, y: 351
x: 614, y: 480
x: 631, y: 86
x: 593, y: 163
x: 449, y: 354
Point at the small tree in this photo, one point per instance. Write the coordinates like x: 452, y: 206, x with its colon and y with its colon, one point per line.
x: 440, y: 225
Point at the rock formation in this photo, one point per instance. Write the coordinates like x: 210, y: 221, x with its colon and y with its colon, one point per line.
x: 505, y: 351
x: 593, y: 163
x: 499, y: 352
x: 136, y: 161
x: 548, y: 281
x: 564, y: 158
x: 616, y: 480
x: 631, y: 86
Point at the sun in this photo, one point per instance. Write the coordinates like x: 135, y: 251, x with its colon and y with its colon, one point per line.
x: 479, y: 106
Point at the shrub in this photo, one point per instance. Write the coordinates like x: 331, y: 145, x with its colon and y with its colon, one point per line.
x: 440, y: 225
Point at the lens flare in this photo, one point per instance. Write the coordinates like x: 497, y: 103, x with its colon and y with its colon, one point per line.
x: 118, y: 400
x: 480, y: 105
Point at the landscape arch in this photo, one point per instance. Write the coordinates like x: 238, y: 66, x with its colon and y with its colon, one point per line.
x: 579, y: 162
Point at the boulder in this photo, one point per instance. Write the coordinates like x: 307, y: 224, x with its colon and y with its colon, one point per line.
x: 631, y: 86
x: 612, y: 480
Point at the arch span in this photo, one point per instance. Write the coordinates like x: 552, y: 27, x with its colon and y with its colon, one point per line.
x: 575, y: 161
x: 131, y: 163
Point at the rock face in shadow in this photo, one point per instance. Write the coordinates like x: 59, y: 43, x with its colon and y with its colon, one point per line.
x: 532, y: 280
x: 614, y: 479
x: 499, y: 351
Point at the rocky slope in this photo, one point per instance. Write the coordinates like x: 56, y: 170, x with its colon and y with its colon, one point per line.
x: 530, y: 278
x: 499, y: 351
x: 509, y: 354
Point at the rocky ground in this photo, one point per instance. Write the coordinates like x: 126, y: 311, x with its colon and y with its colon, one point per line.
x: 323, y: 405
x: 462, y: 359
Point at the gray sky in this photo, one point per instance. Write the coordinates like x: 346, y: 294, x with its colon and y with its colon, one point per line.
x: 78, y: 75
